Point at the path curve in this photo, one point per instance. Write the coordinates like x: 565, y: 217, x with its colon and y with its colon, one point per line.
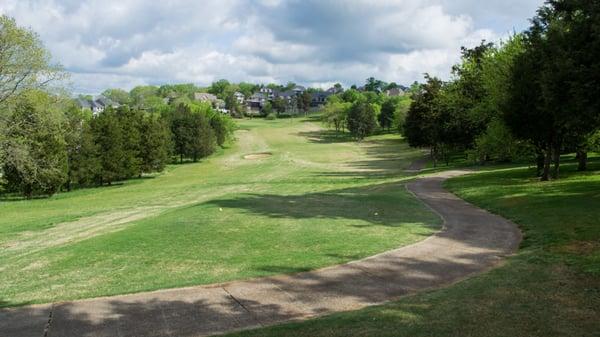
x: 471, y: 241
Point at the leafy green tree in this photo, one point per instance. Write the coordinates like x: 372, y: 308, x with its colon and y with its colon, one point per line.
x: 84, y: 157
x: 155, y: 144
x: 24, y: 62
x: 267, y: 109
x: 304, y: 101
x: 361, y: 120
x: 34, y: 160
x: 117, y: 95
x: 130, y: 123
x: 181, y: 122
x: 422, y: 127
x: 202, y: 137
x: 553, y: 98
x: 108, y: 136
x: 388, y: 110
x: 280, y: 105
x: 145, y: 96
x: 218, y: 88
x: 375, y: 85
x: 222, y: 128
x: 335, y: 112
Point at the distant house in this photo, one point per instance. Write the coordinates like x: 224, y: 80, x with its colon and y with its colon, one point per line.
x: 239, y: 97
x: 205, y: 97
x: 298, y: 89
x: 394, y: 92
x: 334, y: 90
x: 319, y: 98
x: 255, y: 103
x: 97, y: 105
x: 270, y: 93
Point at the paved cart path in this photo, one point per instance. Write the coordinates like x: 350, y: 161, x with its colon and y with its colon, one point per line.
x: 472, y: 241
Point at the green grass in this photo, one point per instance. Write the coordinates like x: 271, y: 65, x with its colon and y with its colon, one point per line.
x: 551, y: 287
x: 320, y: 199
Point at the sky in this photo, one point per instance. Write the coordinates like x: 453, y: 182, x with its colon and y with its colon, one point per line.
x: 124, y: 43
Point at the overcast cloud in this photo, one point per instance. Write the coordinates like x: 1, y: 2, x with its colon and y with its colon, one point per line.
x: 125, y: 43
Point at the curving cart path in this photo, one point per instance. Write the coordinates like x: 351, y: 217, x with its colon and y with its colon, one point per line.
x: 472, y: 241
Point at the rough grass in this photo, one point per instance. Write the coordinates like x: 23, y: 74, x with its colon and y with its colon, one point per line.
x: 550, y: 288
x: 315, y: 201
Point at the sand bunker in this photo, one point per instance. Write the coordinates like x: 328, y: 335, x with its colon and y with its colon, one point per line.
x: 255, y: 156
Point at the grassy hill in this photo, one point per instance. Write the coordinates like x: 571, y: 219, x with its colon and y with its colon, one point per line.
x: 288, y: 196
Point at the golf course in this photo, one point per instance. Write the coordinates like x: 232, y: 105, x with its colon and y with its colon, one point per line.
x: 286, y: 196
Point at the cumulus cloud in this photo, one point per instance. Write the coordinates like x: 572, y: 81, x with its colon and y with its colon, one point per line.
x: 123, y: 43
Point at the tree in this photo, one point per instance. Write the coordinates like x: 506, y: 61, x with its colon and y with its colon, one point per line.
x: 553, y: 96
x: 267, y: 109
x: 202, y: 137
x: 335, y: 112
x: 24, y: 62
x: 155, y: 144
x: 130, y: 122
x: 145, y: 96
x: 361, y: 120
x: 422, y: 127
x: 84, y: 157
x: 34, y: 159
x: 181, y: 129
x: 304, y: 101
x: 279, y: 104
x: 375, y: 85
x: 108, y: 135
x: 117, y: 95
x: 388, y: 110
x: 222, y: 127
x: 218, y: 88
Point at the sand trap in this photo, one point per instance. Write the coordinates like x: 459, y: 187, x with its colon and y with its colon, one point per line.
x: 255, y: 156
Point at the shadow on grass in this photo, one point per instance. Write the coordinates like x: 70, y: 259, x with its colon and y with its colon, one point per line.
x: 383, y: 205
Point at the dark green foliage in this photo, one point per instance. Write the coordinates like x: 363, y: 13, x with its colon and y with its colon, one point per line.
x: 155, y: 144
x: 222, y: 127
x: 361, y: 120
x: 202, y: 137
x: 304, y: 101
x: 108, y: 135
x: 34, y: 151
x: 130, y: 123
x: 421, y: 127
x: 386, y: 117
x: 84, y: 162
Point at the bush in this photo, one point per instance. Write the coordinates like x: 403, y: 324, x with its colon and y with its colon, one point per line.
x: 271, y: 116
x: 498, y: 144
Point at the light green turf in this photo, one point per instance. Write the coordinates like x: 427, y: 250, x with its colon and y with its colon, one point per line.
x: 550, y: 288
x: 319, y: 200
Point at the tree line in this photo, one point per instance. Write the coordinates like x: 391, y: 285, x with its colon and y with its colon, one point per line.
x: 52, y: 144
x: 48, y: 143
x: 535, y: 95
x: 365, y: 111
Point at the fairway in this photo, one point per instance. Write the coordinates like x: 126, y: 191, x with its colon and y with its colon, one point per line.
x: 288, y: 196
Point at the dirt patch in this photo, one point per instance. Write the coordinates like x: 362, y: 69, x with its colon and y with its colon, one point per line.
x: 256, y: 156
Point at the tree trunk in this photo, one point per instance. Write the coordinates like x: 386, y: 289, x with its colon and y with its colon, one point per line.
x: 181, y: 159
x: 556, y: 160
x: 546, y: 171
x: 540, y: 163
x: 433, y: 156
x: 582, y: 158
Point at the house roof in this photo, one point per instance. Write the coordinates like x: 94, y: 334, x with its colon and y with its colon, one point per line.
x: 83, y: 103
x: 204, y: 96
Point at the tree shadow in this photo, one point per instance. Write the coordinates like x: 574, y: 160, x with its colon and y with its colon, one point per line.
x: 379, y: 205
x: 326, y: 136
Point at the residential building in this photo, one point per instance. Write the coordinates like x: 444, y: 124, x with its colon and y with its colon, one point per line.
x: 394, y: 92
x: 97, y: 105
